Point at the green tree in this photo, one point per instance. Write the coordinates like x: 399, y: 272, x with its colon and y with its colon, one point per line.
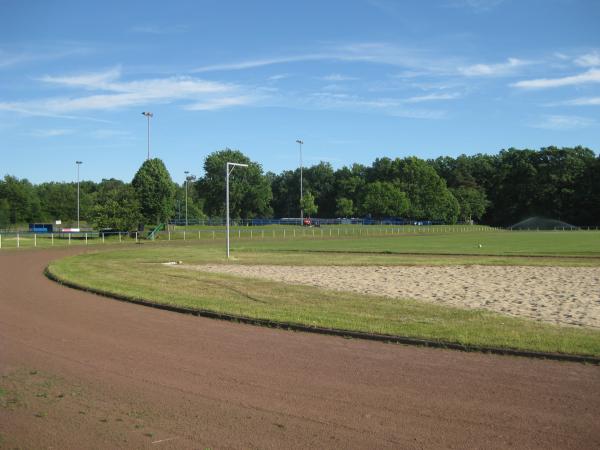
x: 383, y: 199
x: 118, y: 207
x: 428, y: 196
x: 308, y: 205
x: 472, y: 202
x: 155, y: 191
x: 344, y: 207
x: 22, y: 199
x: 249, y: 190
x: 4, y: 214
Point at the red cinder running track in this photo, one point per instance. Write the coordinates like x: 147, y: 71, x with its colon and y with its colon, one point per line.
x: 91, y: 372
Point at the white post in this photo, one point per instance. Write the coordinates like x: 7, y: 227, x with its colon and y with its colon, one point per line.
x: 103, y: 238
x: 136, y: 236
x: 227, y: 172
x: 119, y: 236
x: 52, y: 237
x: 69, y: 238
x: 18, y: 241
x: 35, y: 240
x: 0, y: 241
x: 169, y: 234
x: 213, y: 235
x: 198, y: 234
x: 85, y: 238
x: 184, y: 235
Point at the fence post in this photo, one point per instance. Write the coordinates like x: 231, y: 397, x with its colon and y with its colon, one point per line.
x: 0, y: 241
x: 169, y: 233
x: 119, y: 236
x: 18, y: 241
x: 199, y: 235
x: 239, y: 233
x: 213, y: 234
x: 184, y: 235
x: 69, y: 238
x: 35, y: 240
x: 284, y: 233
x: 136, y: 236
x: 103, y: 238
x: 85, y: 238
x: 251, y: 235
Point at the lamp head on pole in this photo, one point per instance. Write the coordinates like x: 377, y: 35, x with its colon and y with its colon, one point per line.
x: 78, y: 162
x: 300, y: 141
x: 148, y: 114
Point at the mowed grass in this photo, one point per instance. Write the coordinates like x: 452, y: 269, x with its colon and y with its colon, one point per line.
x: 138, y: 273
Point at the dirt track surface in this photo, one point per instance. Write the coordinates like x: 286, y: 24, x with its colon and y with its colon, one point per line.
x: 82, y: 371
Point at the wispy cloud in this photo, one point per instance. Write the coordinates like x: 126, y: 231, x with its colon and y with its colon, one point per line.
x: 591, y: 59
x: 219, y: 103
x: 279, y: 76
x: 111, y: 134
x: 115, y: 93
x: 51, y: 132
x: 560, y: 122
x: 591, y: 76
x: 338, y: 77
x: 369, y: 52
x: 581, y: 101
x: 11, y: 58
x: 433, y: 97
x: 388, y: 106
x: 499, y: 69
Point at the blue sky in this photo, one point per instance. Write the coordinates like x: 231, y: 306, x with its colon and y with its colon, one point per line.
x: 355, y: 79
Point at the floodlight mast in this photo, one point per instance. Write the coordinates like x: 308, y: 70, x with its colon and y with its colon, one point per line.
x: 78, y: 164
x: 300, y: 142
x: 227, y: 173
x: 148, y: 115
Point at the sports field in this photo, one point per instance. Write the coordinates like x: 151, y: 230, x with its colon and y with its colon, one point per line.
x: 545, y: 281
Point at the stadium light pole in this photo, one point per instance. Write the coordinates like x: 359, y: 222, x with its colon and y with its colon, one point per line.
x: 78, y: 164
x: 186, y: 184
x: 227, y: 173
x: 300, y: 142
x: 148, y: 115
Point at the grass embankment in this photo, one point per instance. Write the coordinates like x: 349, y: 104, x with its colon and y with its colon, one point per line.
x: 138, y: 273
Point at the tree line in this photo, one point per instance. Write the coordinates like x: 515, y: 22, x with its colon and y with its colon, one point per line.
x: 501, y: 189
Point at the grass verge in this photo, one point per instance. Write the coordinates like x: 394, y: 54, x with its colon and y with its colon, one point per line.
x: 138, y: 273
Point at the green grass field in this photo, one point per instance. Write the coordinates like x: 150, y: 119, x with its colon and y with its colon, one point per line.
x: 137, y: 272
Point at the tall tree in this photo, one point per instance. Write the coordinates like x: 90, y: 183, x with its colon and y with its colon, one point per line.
x: 382, y: 199
x: 118, y: 207
x: 155, y: 191
x: 249, y: 190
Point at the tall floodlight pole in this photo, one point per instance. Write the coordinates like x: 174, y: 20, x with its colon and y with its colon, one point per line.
x: 300, y: 142
x: 227, y: 173
x: 78, y: 164
x: 148, y: 115
x: 186, y: 185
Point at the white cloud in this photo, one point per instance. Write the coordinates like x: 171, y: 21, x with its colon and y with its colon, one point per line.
x: 120, y: 94
x: 591, y: 76
x: 96, y: 80
x: 560, y: 122
x: 338, y: 77
x: 591, y: 59
x: 111, y: 134
x: 51, y: 132
x: 433, y: 97
x: 279, y: 76
x: 583, y: 101
x: 219, y: 103
x: 389, y: 106
x: 499, y: 69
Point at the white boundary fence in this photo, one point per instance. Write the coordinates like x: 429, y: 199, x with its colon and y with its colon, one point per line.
x: 49, y: 240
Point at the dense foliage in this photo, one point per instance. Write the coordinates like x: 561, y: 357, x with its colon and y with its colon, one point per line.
x: 502, y: 189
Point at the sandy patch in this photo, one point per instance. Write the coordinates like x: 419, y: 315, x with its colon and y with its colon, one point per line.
x: 565, y: 295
